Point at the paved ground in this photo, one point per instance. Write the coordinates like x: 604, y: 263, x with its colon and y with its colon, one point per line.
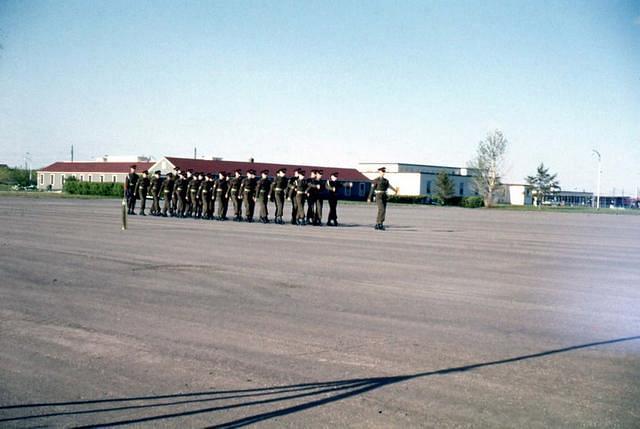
x: 452, y: 317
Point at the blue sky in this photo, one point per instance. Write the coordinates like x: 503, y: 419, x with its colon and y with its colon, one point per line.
x: 326, y: 82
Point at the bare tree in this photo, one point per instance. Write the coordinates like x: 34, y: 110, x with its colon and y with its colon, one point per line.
x: 489, y: 163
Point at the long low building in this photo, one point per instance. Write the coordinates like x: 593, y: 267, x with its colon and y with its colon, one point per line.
x: 53, y: 176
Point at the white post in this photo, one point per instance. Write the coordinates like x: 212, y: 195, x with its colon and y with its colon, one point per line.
x: 599, y: 173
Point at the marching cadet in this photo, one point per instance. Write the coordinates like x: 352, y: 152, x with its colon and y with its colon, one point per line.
x: 234, y: 194
x: 167, y: 192
x: 248, y: 193
x: 143, y: 188
x: 379, y: 186
x: 263, y: 187
x: 188, y: 203
x: 197, y: 211
x: 205, y: 191
x: 291, y: 195
x: 320, y: 195
x: 333, y: 187
x: 312, y: 195
x: 192, y: 194
x: 181, y: 190
x: 174, y: 195
x: 301, y: 192
x: 130, y: 187
x: 156, y: 183
x: 222, y: 192
x: 278, y: 189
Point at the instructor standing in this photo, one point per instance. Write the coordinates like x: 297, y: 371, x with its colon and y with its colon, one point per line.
x: 379, y: 187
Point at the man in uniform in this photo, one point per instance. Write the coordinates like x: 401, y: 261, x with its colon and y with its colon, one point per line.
x: 143, y: 188
x: 188, y: 210
x: 167, y: 192
x: 222, y: 192
x: 248, y: 192
x: 291, y: 195
x: 263, y: 187
x: 301, y: 193
x: 333, y: 187
x: 379, y: 187
x: 156, y: 183
x: 234, y: 194
x: 320, y: 195
x: 312, y: 196
x: 174, y: 196
x: 181, y: 191
x: 130, y: 187
x: 278, y: 189
x: 192, y: 194
x: 205, y: 191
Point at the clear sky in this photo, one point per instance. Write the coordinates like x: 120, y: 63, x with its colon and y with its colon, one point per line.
x: 326, y: 82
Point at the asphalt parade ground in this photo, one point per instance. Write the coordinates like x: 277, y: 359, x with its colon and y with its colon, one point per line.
x: 450, y: 318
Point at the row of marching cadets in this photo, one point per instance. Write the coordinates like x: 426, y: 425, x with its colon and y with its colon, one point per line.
x: 201, y: 195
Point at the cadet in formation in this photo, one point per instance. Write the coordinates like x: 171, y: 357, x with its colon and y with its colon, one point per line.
x: 248, y: 194
x: 130, y: 187
x: 379, y: 187
x: 278, y: 191
x: 234, y: 195
x: 154, y: 188
x: 222, y: 195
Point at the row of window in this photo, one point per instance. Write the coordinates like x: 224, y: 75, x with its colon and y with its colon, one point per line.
x: 460, y: 188
x: 114, y: 178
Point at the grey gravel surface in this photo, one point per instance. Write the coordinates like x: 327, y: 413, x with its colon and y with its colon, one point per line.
x: 450, y: 318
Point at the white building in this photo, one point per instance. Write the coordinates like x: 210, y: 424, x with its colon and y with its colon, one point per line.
x: 515, y: 194
x: 417, y: 179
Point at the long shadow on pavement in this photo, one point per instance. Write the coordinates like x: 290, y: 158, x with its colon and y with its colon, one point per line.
x: 309, y: 395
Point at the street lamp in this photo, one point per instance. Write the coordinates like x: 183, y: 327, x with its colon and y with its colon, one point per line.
x: 599, y: 172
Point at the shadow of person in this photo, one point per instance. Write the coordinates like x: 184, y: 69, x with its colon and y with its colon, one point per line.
x: 305, y: 396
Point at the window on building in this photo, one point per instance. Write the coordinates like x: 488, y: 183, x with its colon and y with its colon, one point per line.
x: 347, y: 191
x: 82, y: 177
x: 428, y: 186
x: 51, y: 179
x: 42, y: 179
x: 62, y: 178
x: 115, y: 178
x: 101, y: 179
x: 89, y: 177
x: 362, y: 189
x: 461, y: 188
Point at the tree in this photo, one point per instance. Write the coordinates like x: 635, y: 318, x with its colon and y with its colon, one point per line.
x: 488, y: 165
x: 444, y: 187
x: 543, y: 183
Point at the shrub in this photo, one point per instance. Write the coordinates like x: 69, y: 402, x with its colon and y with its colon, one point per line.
x: 473, y: 202
x: 73, y: 186
x: 409, y: 199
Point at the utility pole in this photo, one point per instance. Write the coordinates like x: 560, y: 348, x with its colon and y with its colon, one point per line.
x: 71, y: 153
x: 599, y: 173
x: 195, y: 153
x: 27, y: 164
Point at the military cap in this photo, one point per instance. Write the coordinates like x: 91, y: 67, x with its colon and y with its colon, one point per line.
x: 251, y: 171
x: 133, y: 166
x: 335, y: 173
x: 210, y: 175
x: 319, y: 171
x: 264, y: 172
x: 190, y: 170
x: 223, y: 173
x: 145, y: 172
x: 301, y: 172
x: 157, y: 172
x: 281, y: 170
x: 383, y: 169
x: 169, y: 174
x: 239, y: 171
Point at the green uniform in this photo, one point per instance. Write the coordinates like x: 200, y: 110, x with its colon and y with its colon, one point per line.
x: 130, y: 188
x: 222, y: 192
x: 333, y: 188
x: 143, y: 189
x: 301, y: 188
x: 279, y: 189
x: 192, y: 195
x: 291, y: 194
x: 206, y: 191
x: 155, y: 194
x: 262, y: 197
x: 181, y: 195
x: 234, y: 194
x: 167, y: 193
x: 379, y: 187
x: 248, y: 192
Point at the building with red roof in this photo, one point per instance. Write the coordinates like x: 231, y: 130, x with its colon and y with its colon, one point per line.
x: 52, y: 177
